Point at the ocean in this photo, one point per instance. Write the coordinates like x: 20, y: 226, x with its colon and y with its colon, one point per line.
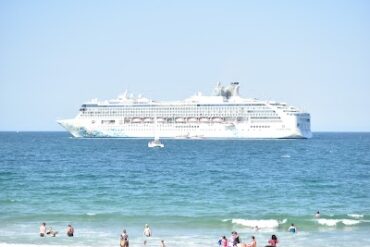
x: 190, y: 193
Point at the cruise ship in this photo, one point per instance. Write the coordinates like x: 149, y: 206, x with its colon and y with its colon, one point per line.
x: 225, y: 114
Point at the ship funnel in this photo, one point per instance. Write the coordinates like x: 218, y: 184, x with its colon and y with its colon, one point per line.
x: 234, y: 87
x: 227, y: 92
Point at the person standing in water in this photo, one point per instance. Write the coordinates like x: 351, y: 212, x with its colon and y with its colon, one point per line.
x: 147, y: 231
x: 235, y: 238
x: 43, y: 230
x: 273, y: 241
x: 124, y: 239
x: 70, y: 230
x: 253, y: 243
x: 317, y: 215
x: 162, y: 243
x: 224, y: 241
x: 292, y: 229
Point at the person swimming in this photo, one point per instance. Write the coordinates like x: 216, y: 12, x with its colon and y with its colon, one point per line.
x: 292, y: 229
x: 317, y: 215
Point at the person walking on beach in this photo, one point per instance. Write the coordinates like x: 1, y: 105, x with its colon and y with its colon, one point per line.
x: 43, y: 230
x: 70, y: 230
x: 273, y: 241
x: 147, y: 231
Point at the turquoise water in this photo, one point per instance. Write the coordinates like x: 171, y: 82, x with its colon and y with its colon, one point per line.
x: 190, y: 192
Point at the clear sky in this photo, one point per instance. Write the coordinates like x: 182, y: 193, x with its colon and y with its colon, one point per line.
x: 55, y: 55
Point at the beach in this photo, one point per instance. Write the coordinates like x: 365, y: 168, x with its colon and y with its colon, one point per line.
x: 190, y: 193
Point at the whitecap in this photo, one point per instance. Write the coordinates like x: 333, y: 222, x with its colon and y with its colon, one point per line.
x: 356, y: 216
x: 334, y: 222
x: 328, y: 222
x: 283, y: 221
x: 350, y: 222
x: 271, y: 223
x: 91, y: 214
x: 285, y: 156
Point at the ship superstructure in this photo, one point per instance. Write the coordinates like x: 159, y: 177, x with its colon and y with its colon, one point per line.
x: 223, y: 115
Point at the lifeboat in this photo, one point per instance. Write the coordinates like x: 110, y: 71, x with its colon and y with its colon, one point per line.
x: 204, y: 120
x: 180, y: 120
x: 148, y: 120
x: 217, y: 120
x: 160, y: 120
x: 192, y: 120
x: 136, y: 120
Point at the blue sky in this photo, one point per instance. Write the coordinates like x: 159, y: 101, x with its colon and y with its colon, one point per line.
x: 54, y: 55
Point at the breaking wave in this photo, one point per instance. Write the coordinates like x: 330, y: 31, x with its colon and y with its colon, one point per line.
x: 334, y: 222
x: 270, y: 223
x: 356, y: 216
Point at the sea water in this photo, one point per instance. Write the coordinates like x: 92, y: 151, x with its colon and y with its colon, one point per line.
x: 190, y: 193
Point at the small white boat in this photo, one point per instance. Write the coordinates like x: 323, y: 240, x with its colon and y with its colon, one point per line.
x: 155, y: 144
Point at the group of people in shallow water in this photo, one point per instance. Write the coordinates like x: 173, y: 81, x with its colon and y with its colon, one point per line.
x: 235, y: 241
x: 50, y: 232
x: 124, y: 241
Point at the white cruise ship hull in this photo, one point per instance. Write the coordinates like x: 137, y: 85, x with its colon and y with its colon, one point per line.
x: 184, y: 131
